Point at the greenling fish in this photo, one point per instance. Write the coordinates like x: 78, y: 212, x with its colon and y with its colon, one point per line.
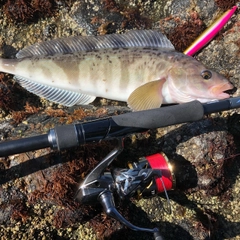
x: 140, y: 67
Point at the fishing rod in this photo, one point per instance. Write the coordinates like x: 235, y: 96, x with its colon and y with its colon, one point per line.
x: 147, y: 177
x: 72, y: 135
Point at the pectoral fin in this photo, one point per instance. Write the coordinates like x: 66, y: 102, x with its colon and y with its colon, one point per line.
x: 147, y: 96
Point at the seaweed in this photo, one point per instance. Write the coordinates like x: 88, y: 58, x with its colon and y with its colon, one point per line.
x: 20, y: 211
x: 190, y: 29
x: 225, y: 5
x: 29, y: 10
x: 132, y: 16
x: 6, y: 99
x: 19, y: 10
x: 19, y: 116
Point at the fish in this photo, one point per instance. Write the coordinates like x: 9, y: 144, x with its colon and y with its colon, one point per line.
x: 140, y: 67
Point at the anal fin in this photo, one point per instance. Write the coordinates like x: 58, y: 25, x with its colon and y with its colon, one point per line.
x: 147, y: 96
x: 61, y: 96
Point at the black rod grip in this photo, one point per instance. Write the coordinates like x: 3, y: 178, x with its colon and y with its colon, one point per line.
x: 162, y: 117
x: 24, y: 145
x: 66, y: 136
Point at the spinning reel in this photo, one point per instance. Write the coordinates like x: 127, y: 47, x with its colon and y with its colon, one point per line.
x: 147, y: 177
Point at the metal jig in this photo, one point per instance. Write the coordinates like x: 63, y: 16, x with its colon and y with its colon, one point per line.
x: 211, y: 31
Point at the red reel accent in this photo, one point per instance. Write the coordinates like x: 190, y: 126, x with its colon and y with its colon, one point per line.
x: 159, y: 161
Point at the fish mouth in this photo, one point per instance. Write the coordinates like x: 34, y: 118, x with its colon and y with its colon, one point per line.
x: 223, y: 90
x: 231, y: 91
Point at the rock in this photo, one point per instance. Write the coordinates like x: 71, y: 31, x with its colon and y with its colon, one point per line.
x: 37, y: 188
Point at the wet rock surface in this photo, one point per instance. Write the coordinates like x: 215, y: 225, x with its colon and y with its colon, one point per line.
x: 37, y: 188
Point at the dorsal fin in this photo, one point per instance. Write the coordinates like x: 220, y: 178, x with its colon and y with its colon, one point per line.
x: 134, y: 38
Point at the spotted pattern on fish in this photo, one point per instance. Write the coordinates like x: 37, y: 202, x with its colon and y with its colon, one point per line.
x: 140, y: 67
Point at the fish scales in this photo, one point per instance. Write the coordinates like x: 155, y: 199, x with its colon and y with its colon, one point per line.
x: 111, y: 73
x: 140, y: 67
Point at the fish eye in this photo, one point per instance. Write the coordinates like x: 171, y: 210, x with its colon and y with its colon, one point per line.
x: 206, y: 74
